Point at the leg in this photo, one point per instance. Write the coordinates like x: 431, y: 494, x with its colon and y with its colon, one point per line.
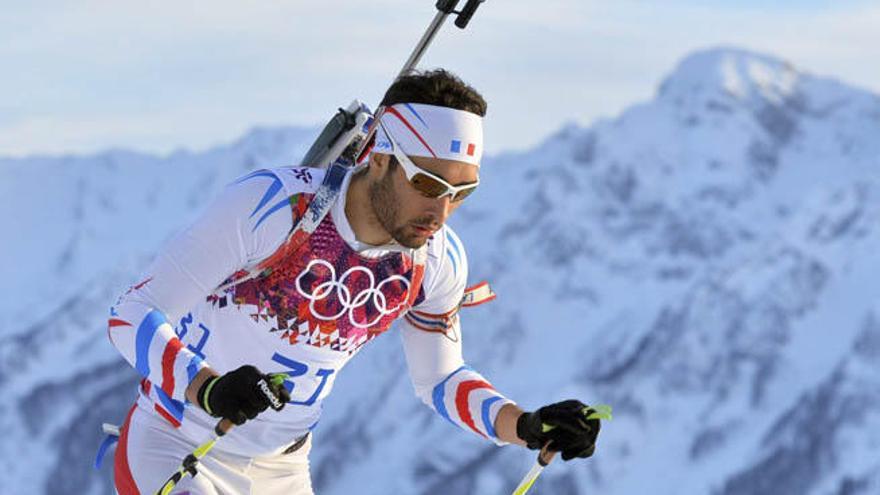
x: 285, y: 474
x: 149, y: 452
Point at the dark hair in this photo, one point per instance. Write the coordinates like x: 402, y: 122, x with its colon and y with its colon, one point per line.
x: 435, y: 87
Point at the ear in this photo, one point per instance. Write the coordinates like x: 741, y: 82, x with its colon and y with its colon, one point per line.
x: 378, y: 165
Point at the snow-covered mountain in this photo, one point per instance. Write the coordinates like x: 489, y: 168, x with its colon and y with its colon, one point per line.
x: 705, y: 263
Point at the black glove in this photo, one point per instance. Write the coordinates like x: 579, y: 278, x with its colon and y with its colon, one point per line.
x: 564, y: 425
x: 241, y: 394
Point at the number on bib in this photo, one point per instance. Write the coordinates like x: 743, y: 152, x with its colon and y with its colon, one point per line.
x: 300, y: 369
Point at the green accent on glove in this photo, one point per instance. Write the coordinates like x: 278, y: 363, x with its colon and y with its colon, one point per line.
x: 277, y: 379
x: 207, y: 394
x: 601, y: 411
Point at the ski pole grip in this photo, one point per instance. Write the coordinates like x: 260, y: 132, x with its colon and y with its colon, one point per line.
x: 464, y: 17
x: 545, y: 457
x: 223, y: 426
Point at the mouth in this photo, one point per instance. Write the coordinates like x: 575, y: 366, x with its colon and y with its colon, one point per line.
x: 423, y: 230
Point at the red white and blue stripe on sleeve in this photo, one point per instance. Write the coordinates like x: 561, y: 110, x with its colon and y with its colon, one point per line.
x: 439, y: 323
x: 152, y: 347
x: 470, y: 402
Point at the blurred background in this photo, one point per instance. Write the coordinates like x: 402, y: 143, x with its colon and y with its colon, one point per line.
x: 679, y: 212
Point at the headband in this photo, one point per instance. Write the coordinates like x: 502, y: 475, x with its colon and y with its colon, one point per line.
x: 431, y: 131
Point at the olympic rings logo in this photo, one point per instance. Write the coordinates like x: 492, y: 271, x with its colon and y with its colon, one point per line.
x: 348, y: 303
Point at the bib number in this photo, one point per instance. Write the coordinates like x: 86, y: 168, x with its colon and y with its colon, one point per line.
x: 298, y: 369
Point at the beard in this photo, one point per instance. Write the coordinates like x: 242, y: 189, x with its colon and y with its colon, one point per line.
x: 386, y: 207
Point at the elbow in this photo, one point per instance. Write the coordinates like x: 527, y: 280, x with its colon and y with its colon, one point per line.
x: 113, y: 325
x: 425, y: 393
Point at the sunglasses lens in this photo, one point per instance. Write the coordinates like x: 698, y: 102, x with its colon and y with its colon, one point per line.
x: 427, y: 185
x: 460, y: 195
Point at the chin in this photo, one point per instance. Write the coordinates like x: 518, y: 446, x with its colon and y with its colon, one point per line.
x: 410, y: 239
x: 412, y: 242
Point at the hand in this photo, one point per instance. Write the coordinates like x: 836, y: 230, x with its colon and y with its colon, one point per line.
x: 562, y: 427
x: 241, y: 394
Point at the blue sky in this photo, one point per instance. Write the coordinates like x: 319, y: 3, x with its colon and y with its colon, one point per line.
x: 81, y: 76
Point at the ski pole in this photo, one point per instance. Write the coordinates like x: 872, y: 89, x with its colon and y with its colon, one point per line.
x: 464, y: 17
x: 445, y: 8
x: 602, y: 411
x: 544, y: 459
x: 343, y: 134
x: 188, y: 466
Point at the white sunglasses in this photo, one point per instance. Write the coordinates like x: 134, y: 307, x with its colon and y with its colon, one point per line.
x: 428, y: 184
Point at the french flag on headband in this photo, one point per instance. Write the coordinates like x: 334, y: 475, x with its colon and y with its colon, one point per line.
x: 432, y: 132
x: 456, y: 148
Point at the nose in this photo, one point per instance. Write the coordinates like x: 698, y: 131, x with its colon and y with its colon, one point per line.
x: 441, y: 208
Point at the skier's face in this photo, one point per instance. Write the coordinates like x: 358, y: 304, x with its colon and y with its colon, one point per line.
x: 404, y: 212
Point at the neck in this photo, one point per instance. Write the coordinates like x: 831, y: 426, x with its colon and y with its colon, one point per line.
x: 360, y: 214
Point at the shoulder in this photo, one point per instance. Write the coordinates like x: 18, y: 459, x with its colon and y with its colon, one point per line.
x: 294, y: 180
x: 446, y: 253
x: 266, y: 200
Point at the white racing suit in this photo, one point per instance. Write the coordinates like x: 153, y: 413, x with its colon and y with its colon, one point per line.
x: 319, y: 305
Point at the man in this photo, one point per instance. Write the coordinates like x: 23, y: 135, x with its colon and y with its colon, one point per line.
x: 256, y: 289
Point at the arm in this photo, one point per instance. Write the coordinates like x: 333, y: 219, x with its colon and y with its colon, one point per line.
x: 188, y: 268
x: 454, y: 390
x: 432, y: 341
x: 192, y: 390
x: 442, y: 381
x: 505, y: 424
x: 431, y: 336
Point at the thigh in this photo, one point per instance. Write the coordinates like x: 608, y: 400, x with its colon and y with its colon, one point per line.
x: 149, y: 452
x: 285, y: 474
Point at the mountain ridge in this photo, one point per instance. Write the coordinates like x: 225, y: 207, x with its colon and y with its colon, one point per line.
x: 702, y: 262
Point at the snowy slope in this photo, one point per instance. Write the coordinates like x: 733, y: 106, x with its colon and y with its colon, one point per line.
x: 705, y: 263
x: 77, y: 232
